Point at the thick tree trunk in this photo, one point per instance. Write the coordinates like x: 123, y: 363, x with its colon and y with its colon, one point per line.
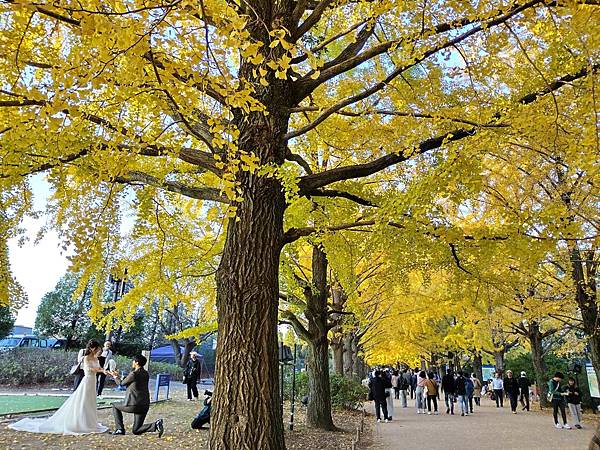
x: 187, y: 349
x: 478, y: 365
x: 319, y: 405
x: 586, y: 298
x: 348, y: 356
x: 337, y: 348
x: 539, y: 365
x: 499, y: 359
x: 246, y: 405
x: 177, y: 352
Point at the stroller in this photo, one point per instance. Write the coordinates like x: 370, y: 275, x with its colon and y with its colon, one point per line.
x: 203, y: 416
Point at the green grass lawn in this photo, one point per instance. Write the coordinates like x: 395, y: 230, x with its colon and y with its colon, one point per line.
x: 10, y: 404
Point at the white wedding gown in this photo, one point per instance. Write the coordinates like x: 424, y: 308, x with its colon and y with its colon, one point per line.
x: 78, y: 415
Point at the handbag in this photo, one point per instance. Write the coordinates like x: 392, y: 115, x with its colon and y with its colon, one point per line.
x: 75, y: 368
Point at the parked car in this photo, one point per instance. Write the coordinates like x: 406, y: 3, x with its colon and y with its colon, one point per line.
x: 23, y: 341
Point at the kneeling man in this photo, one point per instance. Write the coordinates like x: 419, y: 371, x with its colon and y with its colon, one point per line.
x: 137, y: 400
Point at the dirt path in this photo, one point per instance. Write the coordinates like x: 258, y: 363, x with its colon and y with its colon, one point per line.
x: 490, y: 428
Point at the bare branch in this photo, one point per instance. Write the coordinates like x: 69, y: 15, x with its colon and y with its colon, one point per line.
x: 312, y: 19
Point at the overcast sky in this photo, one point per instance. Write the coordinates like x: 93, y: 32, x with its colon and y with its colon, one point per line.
x: 38, y: 267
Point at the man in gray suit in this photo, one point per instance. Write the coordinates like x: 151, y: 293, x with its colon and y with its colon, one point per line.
x: 137, y: 400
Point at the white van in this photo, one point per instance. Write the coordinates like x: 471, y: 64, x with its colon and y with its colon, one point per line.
x: 22, y: 341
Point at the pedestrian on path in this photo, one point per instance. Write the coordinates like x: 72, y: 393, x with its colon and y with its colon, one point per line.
x: 389, y: 395
x: 461, y: 391
x: 476, y: 389
x: 557, y: 391
x: 420, y: 392
x: 377, y: 387
x: 432, y: 393
x: 469, y: 388
x: 403, y: 388
x: 449, y: 390
x: 574, y: 402
x: 498, y: 387
x: 511, y: 386
x: 408, y: 380
x: 524, y: 384
x: 395, y: 384
x: 413, y: 383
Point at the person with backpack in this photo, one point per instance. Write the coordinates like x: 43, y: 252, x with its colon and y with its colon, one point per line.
x: 432, y: 393
x: 524, y: 384
x: 574, y: 402
x: 449, y: 390
x: 556, y: 394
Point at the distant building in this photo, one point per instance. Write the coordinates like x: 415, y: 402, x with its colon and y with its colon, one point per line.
x: 20, y: 329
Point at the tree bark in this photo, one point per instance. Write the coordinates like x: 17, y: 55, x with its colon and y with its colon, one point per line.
x: 319, y: 405
x: 337, y: 347
x: 176, y: 351
x: 348, y: 356
x: 584, y: 276
x: 246, y: 399
x: 478, y: 365
x: 499, y: 359
x: 539, y: 365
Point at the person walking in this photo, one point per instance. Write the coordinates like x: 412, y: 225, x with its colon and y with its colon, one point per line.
x: 377, y: 387
x: 408, y: 381
x: 191, y: 374
x: 460, y: 389
x: 403, y: 386
x: 395, y: 384
x: 389, y: 394
x: 557, y: 392
x: 469, y: 387
x: 420, y: 392
x: 432, y: 393
x: 524, y: 384
x: 449, y: 390
x: 476, y: 389
x: 498, y: 387
x: 574, y: 402
x: 413, y: 383
x: 511, y: 386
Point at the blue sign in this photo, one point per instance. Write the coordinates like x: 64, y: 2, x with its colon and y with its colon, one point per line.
x: 162, y: 380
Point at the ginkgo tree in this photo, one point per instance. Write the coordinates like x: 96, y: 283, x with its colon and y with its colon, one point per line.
x: 222, y: 101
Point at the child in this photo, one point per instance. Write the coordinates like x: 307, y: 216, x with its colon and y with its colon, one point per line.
x: 574, y: 402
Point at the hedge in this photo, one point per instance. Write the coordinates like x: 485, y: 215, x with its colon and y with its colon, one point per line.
x: 31, y: 366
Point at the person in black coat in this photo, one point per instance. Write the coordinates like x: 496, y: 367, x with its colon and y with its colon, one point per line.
x: 377, y: 387
x: 137, y: 400
x: 449, y: 391
x: 191, y: 375
x: 511, y: 387
x: 524, y: 384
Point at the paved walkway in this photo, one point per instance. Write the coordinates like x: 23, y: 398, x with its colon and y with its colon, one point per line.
x: 490, y: 428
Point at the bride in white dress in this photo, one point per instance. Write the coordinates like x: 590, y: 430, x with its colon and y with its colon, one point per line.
x: 78, y: 415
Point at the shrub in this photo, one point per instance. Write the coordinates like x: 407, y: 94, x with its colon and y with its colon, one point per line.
x: 345, y: 393
x: 28, y: 366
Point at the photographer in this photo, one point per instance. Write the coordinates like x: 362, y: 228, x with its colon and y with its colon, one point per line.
x: 203, y: 416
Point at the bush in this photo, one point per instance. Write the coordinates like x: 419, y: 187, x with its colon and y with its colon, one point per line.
x: 28, y: 366
x: 345, y: 393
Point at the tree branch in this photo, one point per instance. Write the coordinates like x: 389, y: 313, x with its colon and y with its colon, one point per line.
x: 306, y: 85
x: 312, y: 19
x: 310, y: 182
x: 298, y: 326
x: 341, y: 194
x: 200, y: 193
